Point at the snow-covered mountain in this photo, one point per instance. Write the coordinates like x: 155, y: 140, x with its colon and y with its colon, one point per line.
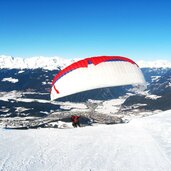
x: 154, y: 64
x: 51, y: 63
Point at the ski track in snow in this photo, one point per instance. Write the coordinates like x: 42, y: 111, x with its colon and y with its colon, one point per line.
x: 140, y: 145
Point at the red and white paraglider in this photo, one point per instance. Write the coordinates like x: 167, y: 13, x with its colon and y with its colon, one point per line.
x: 96, y: 72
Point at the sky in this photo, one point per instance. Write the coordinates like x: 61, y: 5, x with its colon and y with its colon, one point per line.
x: 140, y: 30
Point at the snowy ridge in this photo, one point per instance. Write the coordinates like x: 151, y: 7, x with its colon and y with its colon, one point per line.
x: 33, y: 62
x: 154, y: 64
x: 55, y: 62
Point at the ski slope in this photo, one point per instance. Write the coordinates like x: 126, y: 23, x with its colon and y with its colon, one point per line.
x: 144, y: 144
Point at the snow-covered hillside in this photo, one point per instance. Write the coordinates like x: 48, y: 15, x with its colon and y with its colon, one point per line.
x: 144, y: 144
x: 55, y: 62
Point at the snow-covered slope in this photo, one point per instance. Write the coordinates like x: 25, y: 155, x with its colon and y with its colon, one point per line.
x: 144, y: 144
x: 55, y: 62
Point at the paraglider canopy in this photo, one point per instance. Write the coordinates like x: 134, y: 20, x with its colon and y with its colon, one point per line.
x: 96, y: 72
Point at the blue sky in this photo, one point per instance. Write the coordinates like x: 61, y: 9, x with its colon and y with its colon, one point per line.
x: 83, y: 28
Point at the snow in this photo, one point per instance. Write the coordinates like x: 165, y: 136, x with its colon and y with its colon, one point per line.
x: 10, y: 79
x: 110, y: 106
x: 160, y: 127
x: 152, y: 96
x: 20, y: 109
x: 19, y: 72
x: 155, y: 78
x: 169, y: 84
x: 51, y: 63
x: 10, y: 95
x: 74, y: 107
x: 44, y: 83
x: 144, y: 144
x: 154, y: 64
x: 32, y: 100
x: 106, y: 107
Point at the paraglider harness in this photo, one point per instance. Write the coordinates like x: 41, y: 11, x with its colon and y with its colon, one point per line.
x: 75, y: 121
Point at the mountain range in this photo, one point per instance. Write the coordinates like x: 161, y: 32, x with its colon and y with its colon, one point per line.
x: 52, y: 63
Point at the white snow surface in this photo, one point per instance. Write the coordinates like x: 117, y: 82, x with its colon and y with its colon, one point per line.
x: 5, y: 96
x: 110, y: 106
x: 73, y: 106
x: 144, y: 144
x: 10, y: 79
x: 152, y: 96
x: 51, y: 63
x: 155, y: 78
x: 169, y: 84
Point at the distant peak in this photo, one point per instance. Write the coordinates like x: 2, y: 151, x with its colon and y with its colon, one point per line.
x: 154, y: 64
